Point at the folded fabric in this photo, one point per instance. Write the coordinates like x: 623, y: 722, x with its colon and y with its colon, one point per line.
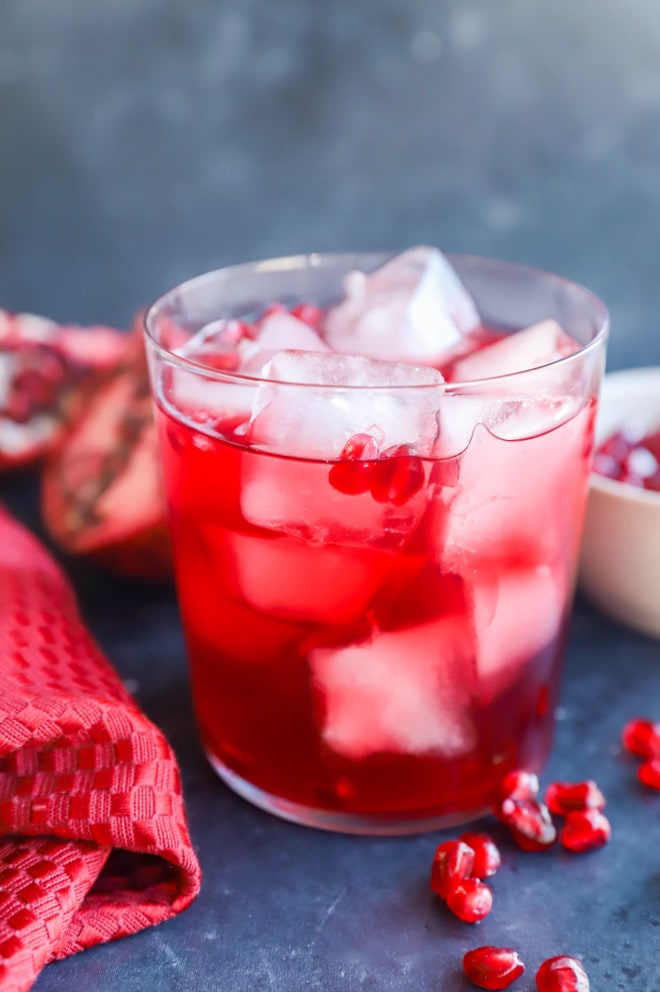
x: 93, y: 837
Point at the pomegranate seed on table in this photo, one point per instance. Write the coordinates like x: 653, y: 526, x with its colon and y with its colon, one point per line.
x: 562, y: 974
x: 470, y: 900
x: 487, y: 858
x: 397, y: 476
x: 642, y: 737
x: 519, y: 785
x: 352, y: 475
x: 649, y: 773
x: 565, y: 797
x: 453, y: 861
x: 530, y: 823
x: 585, y: 830
x: 493, y: 967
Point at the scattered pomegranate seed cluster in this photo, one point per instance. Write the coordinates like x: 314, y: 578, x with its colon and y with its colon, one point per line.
x: 498, y: 967
x: 457, y: 872
x: 530, y: 820
x: 459, y: 867
x: 642, y: 738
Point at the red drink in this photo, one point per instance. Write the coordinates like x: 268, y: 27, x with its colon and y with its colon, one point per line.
x: 375, y: 638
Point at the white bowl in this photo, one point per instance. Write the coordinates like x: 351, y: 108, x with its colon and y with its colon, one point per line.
x: 620, y: 559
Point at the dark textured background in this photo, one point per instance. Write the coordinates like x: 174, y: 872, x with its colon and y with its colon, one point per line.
x: 143, y: 141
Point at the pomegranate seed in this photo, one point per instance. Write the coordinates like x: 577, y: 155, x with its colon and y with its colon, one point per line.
x: 271, y: 309
x: 352, y: 475
x: 398, y: 475
x: 562, y: 974
x: 642, y: 737
x: 470, y: 900
x: 585, y: 829
x: 453, y: 861
x: 565, y: 797
x: 519, y: 785
x: 309, y: 314
x: 492, y: 967
x: 487, y: 857
x: 649, y: 773
x: 530, y: 822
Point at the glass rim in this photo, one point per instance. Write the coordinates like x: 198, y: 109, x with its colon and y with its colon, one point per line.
x: 315, y: 259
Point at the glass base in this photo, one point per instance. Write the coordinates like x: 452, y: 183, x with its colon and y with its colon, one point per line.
x: 346, y: 823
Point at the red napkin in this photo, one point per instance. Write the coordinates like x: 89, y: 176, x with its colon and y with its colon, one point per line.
x: 93, y: 837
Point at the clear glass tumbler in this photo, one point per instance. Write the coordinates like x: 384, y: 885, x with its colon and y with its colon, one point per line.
x: 374, y: 578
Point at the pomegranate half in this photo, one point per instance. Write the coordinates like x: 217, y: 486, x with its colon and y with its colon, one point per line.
x: 42, y: 367
x: 101, y: 489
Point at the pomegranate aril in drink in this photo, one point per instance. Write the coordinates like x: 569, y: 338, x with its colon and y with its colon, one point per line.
x: 470, y: 900
x: 352, y: 474
x: 453, y: 861
x: 309, y: 314
x: 519, y: 785
x: 565, y: 797
x: 649, y: 773
x: 530, y: 823
x: 642, y: 737
x: 493, y: 967
x: 398, y: 476
x: 562, y: 974
x: 585, y: 830
x: 487, y: 858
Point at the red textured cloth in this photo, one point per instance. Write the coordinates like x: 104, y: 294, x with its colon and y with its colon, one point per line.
x: 93, y: 837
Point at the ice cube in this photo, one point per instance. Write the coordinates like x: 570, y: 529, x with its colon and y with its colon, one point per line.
x: 515, y: 499
x: 295, y: 580
x: 205, y: 401
x: 530, y: 348
x: 337, y: 396
x: 517, y: 613
x: 280, y: 331
x: 407, y: 691
x: 412, y: 309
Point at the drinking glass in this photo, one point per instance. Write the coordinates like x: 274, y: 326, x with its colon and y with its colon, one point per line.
x: 374, y: 578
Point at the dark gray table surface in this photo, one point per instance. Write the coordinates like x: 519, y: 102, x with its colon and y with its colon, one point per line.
x: 144, y: 141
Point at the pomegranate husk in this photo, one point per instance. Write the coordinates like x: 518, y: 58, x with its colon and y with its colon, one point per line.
x: 101, y: 494
x: 42, y: 368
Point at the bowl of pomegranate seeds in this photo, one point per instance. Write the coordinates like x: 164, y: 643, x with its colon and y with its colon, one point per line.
x: 620, y: 560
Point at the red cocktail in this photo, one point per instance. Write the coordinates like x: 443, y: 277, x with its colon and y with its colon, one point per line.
x: 375, y: 556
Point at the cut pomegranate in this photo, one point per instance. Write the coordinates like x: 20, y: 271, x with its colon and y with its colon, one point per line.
x: 562, y: 974
x: 530, y: 823
x: 470, y: 900
x: 493, y: 967
x: 649, y: 773
x: 397, y: 476
x: 101, y: 492
x: 519, y: 785
x: 42, y: 365
x: 352, y: 475
x: 565, y: 797
x: 642, y: 737
x: 585, y: 830
x: 487, y: 858
x: 453, y: 861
